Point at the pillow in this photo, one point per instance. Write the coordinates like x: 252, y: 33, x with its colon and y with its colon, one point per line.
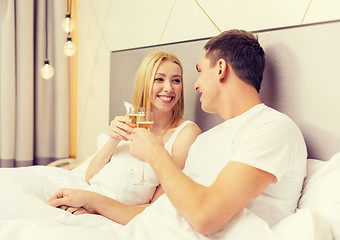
x: 305, y: 224
x: 321, y: 191
x: 81, y: 168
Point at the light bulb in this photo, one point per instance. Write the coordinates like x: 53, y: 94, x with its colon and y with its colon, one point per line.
x: 67, y: 24
x: 69, y: 47
x: 47, y: 71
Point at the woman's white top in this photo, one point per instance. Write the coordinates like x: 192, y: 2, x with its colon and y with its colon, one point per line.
x: 120, y: 178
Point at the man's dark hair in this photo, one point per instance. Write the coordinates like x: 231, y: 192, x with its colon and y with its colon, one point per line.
x: 242, y: 51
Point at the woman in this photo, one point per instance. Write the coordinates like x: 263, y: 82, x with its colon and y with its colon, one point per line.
x: 158, y: 89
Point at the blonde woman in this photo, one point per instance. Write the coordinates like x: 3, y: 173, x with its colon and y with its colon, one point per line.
x: 158, y: 89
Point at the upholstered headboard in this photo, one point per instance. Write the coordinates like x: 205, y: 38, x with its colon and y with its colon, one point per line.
x: 302, y: 80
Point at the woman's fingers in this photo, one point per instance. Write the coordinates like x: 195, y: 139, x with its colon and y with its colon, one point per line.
x: 80, y: 211
x: 71, y: 209
x: 63, y: 207
x: 74, y: 210
x: 119, y: 128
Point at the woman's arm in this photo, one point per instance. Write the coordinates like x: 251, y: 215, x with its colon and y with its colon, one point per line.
x: 79, y: 201
x: 183, y: 142
x: 118, y: 130
x: 207, y: 209
x: 101, y: 158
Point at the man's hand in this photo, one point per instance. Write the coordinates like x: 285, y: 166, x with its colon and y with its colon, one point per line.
x: 144, y: 144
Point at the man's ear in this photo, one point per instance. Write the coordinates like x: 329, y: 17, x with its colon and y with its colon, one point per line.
x: 223, y: 69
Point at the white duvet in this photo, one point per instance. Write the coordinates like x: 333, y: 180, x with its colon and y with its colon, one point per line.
x: 24, y: 214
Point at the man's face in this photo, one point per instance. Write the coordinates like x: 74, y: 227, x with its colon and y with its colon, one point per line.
x: 207, y: 84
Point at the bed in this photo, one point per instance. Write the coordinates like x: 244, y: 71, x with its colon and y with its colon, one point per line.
x: 302, y: 79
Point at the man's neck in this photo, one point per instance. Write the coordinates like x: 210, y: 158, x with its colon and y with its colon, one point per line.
x: 238, y: 100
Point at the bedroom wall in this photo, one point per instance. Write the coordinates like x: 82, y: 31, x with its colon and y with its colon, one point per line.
x: 109, y: 25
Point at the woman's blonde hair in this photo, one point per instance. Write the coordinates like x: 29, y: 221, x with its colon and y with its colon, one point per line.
x: 144, y: 82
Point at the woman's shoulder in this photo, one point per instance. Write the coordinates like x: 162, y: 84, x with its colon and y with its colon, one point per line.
x: 188, y: 129
x: 186, y: 133
x: 182, y: 132
x: 188, y: 126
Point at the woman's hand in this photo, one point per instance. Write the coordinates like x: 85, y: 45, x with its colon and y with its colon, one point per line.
x: 72, y: 200
x: 119, y: 128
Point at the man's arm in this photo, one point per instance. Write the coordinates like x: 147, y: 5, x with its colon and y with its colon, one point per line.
x: 207, y: 209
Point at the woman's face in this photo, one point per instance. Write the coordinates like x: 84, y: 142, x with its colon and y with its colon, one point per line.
x: 167, y: 86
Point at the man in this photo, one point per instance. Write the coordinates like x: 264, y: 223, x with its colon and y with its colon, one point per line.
x: 254, y: 160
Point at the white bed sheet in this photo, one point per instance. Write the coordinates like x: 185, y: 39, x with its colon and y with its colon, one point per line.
x: 24, y: 214
x: 304, y: 225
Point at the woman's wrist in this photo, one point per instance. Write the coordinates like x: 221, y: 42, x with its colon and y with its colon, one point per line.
x: 114, y: 140
x: 90, y: 199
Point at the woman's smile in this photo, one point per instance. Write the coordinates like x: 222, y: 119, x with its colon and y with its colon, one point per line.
x: 166, y: 98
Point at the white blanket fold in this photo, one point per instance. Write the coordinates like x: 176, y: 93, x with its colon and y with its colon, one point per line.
x: 24, y: 214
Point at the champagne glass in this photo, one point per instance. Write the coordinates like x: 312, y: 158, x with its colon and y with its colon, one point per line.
x: 135, y: 117
x: 145, y: 122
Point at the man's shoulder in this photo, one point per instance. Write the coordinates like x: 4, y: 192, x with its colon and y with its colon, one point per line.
x: 269, y: 122
x: 270, y: 114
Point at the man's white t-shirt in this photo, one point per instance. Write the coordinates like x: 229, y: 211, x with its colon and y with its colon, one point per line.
x: 261, y: 137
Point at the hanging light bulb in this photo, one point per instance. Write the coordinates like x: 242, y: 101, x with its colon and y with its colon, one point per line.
x: 67, y: 24
x: 46, y: 71
x: 69, y: 47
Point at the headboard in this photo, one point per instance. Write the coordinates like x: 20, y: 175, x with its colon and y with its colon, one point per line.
x: 302, y: 80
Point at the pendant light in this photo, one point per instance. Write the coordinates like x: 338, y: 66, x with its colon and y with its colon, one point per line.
x: 68, y: 24
x: 69, y: 47
x: 46, y: 71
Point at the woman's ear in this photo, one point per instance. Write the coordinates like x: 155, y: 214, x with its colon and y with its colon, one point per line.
x: 223, y: 68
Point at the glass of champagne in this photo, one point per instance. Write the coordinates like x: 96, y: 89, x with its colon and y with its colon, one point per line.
x: 135, y: 117
x: 145, y: 122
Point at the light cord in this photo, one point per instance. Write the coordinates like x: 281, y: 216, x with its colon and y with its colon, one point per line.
x: 46, y: 30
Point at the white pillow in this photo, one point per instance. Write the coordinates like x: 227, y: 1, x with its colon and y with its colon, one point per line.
x: 81, y: 168
x: 305, y: 224
x: 321, y: 191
